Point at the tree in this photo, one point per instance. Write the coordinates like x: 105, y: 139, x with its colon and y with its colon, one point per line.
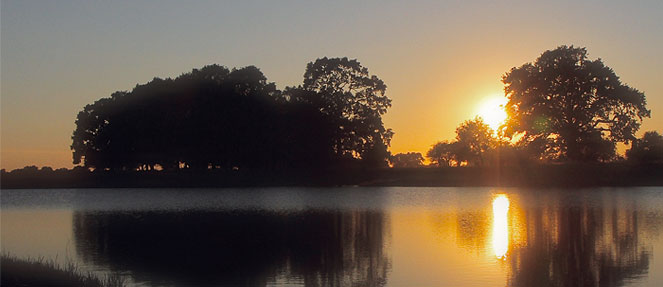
x: 444, y: 153
x: 410, y: 159
x: 206, y: 118
x: 474, y: 141
x: 573, y: 108
x: 475, y: 138
x: 648, y: 149
x: 218, y: 118
x: 355, y: 101
x: 46, y: 169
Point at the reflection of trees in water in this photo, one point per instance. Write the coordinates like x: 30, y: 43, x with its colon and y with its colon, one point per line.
x: 579, y: 243
x: 473, y: 229
x: 329, y: 248
x: 561, y: 240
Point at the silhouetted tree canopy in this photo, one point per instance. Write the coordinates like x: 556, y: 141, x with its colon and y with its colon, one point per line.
x: 219, y: 118
x: 410, y: 159
x: 475, y: 138
x: 648, y: 149
x: 570, y: 107
x: 474, y: 141
x: 354, y: 101
x: 444, y: 153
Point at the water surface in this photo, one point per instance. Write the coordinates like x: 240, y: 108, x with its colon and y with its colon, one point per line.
x: 346, y: 236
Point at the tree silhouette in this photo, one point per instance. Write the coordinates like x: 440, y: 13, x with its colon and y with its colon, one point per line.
x: 410, y: 159
x: 475, y: 138
x: 444, y: 153
x: 355, y: 101
x: 235, y: 119
x: 474, y: 141
x: 648, y: 149
x: 571, y: 107
x: 209, y: 117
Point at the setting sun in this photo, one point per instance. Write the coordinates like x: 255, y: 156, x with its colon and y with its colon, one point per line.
x: 492, y: 111
x: 313, y: 143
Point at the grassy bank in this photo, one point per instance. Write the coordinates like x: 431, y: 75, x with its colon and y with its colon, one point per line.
x: 41, y: 272
x: 567, y: 175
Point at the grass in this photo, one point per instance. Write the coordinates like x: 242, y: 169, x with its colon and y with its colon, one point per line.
x: 42, y: 272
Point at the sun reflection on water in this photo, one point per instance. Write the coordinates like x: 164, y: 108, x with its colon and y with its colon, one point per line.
x: 500, y: 226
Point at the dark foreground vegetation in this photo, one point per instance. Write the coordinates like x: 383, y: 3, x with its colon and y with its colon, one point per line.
x: 568, y: 175
x: 41, y: 272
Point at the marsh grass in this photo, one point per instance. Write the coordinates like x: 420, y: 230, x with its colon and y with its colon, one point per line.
x: 43, y: 272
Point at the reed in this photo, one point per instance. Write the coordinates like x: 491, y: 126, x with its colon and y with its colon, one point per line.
x: 46, y: 272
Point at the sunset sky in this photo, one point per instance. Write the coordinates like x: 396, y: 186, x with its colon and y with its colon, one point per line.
x: 441, y: 60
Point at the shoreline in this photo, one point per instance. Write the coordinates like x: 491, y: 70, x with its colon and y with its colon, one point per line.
x: 46, y: 272
x: 568, y: 175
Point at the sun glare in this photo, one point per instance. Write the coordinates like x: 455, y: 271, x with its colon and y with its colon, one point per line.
x: 492, y: 111
x: 500, y: 226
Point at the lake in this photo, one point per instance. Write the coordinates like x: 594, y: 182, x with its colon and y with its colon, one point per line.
x: 346, y: 236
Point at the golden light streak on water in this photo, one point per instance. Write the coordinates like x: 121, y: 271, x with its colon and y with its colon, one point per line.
x: 500, y: 226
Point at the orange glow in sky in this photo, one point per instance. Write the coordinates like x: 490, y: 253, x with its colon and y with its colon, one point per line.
x: 440, y: 60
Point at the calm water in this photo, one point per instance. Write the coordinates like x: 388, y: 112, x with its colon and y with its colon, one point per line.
x: 345, y: 236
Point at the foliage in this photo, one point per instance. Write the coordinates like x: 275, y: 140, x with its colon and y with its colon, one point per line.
x: 570, y: 107
x: 410, y: 159
x: 444, y: 153
x: 648, y: 149
x: 200, y: 118
x: 355, y: 101
x: 475, y: 138
x: 220, y: 118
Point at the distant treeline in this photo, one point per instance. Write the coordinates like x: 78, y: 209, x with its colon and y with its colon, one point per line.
x: 475, y: 145
x: 216, y: 118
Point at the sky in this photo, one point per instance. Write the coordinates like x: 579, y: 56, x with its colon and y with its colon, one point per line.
x: 440, y: 59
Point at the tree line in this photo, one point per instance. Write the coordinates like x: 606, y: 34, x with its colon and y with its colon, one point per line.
x: 216, y: 118
x: 563, y: 107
